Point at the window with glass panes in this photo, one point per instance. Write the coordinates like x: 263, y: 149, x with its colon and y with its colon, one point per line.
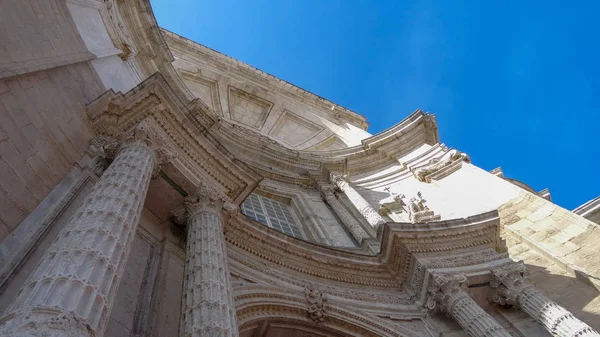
x: 271, y: 213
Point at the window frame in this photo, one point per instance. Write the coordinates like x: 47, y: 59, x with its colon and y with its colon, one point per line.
x: 274, y: 214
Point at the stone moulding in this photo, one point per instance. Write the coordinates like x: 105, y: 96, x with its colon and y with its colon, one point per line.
x: 257, y: 247
x: 439, y: 168
x: 256, y: 303
x: 154, y: 102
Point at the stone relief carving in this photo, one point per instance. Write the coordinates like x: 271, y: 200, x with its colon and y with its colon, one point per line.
x: 507, y: 283
x: 144, y: 132
x: 445, y: 290
x: 397, y: 206
x: 419, y: 212
x: 316, y: 301
x: 437, y: 164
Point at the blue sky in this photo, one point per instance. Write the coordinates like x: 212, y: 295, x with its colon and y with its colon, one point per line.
x: 512, y: 84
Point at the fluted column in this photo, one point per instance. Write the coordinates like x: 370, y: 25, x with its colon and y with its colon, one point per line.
x: 448, y: 294
x: 349, y: 221
x: 362, y: 205
x: 510, y: 288
x: 209, y: 309
x: 71, y: 291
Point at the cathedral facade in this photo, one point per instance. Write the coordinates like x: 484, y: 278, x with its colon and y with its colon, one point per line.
x: 151, y: 186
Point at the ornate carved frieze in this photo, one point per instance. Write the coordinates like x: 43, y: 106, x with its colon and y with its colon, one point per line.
x: 315, y: 300
x: 444, y: 164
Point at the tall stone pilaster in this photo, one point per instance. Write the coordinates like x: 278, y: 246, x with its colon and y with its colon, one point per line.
x: 71, y: 291
x: 349, y: 221
x: 361, y: 204
x: 448, y: 294
x: 209, y: 309
x: 510, y: 288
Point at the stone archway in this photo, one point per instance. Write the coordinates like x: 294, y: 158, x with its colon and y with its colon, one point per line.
x: 265, y: 311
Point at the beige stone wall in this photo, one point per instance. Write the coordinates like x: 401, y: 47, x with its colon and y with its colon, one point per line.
x: 37, y: 35
x: 560, y: 250
x: 43, y: 131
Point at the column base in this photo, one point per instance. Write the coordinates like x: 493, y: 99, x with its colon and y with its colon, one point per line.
x: 44, y: 322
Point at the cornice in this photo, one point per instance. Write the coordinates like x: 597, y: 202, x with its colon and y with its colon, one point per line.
x: 196, y: 157
x: 138, y: 26
x: 221, y: 61
x: 299, y: 262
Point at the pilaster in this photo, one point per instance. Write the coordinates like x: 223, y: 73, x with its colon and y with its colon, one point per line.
x: 347, y: 219
x: 361, y: 204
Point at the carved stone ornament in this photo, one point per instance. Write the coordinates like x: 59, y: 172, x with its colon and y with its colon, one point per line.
x: 206, y: 198
x: 144, y: 132
x: 316, y: 304
x: 418, y: 212
x: 437, y: 164
x: 507, y: 283
x: 397, y: 206
x: 510, y: 288
x: 445, y: 290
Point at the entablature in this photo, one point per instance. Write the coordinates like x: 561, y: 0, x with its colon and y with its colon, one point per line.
x: 155, y: 103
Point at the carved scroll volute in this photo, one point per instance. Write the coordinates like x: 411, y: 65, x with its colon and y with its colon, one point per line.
x: 145, y: 133
x: 444, y: 290
x: 507, y: 283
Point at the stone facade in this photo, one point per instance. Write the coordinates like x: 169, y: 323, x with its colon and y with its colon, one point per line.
x: 126, y: 152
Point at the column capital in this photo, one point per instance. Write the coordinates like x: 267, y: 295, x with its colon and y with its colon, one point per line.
x: 146, y: 135
x: 444, y: 290
x: 338, y: 179
x: 507, y: 283
x: 206, y: 199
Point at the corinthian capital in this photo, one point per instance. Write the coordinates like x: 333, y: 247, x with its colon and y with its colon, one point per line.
x: 507, y: 283
x: 445, y: 290
x: 338, y: 179
x: 205, y: 198
x: 145, y: 133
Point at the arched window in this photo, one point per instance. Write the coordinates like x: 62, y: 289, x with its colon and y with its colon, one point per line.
x: 271, y: 213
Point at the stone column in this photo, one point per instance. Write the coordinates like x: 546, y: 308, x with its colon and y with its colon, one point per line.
x: 71, y: 291
x: 209, y: 310
x: 362, y: 205
x: 510, y: 288
x: 349, y: 221
x: 448, y: 294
